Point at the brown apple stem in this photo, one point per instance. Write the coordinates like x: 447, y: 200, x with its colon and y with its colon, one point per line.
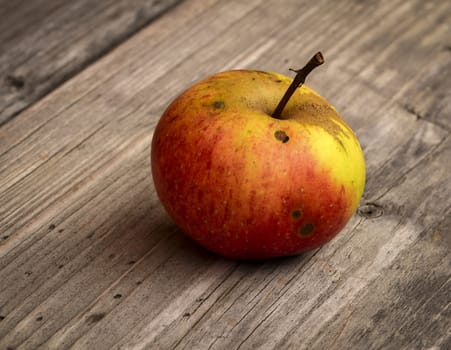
x: 298, y: 80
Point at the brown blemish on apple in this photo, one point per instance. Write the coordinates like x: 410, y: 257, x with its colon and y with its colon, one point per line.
x: 307, y: 229
x: 218, y: 104
x: 320, y: 114
x: 281, y: 136
x: 296, y: 214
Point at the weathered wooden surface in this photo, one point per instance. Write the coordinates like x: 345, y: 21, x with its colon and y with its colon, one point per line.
x: 89, y: 259
x: 45, y: 42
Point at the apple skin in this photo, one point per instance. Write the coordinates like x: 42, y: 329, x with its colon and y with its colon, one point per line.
x: 246, y: 185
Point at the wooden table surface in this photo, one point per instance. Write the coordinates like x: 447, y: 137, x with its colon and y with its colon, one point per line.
x: 90, y: 260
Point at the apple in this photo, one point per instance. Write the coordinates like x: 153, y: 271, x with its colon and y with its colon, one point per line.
x: 254, y: 165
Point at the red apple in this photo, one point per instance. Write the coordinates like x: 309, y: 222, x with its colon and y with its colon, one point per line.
x: 250, y: 178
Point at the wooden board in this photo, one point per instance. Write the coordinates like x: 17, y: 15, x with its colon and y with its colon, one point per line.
x: 89, y: 259
x: 45, y: 42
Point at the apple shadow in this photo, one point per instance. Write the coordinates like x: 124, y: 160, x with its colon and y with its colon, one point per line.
x: 193, y: 250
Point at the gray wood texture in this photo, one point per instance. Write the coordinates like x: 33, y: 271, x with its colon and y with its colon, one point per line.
x: 90, y: 260
x: 45, y: 42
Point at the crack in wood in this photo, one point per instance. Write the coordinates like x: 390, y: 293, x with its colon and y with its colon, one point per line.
x: 425, y: 117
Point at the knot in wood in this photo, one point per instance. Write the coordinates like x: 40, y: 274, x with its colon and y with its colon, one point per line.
x: 16, y: 82
x: 370, y: 211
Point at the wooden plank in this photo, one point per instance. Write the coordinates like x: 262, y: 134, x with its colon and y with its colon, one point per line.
x: 45, y: 42
x: 90, y: 259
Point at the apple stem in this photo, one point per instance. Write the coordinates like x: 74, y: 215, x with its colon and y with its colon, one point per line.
x: 299, y: 79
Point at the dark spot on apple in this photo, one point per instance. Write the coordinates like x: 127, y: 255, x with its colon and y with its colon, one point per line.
x: 218, y: 104
x: 296, y: 214
x: 307, y: 229
x: 281, y: 136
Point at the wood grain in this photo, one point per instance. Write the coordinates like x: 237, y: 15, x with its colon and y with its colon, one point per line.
x: 89, y: 259
x: 45, y: 42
